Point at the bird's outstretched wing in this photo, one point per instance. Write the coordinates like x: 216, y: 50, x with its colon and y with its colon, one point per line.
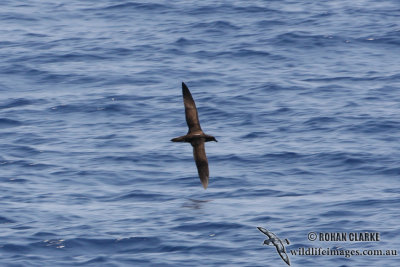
x: 266, y: 232
x: 199, y: 154
x: 284, y: 257
x: 192, y: 119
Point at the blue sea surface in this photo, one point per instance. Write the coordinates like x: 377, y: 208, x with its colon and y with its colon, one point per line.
x: 302, y: 96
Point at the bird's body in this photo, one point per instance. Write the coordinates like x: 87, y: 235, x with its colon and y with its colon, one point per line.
x: 195, y: 136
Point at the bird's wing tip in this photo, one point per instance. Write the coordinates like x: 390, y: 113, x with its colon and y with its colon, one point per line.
x: 263, y: 230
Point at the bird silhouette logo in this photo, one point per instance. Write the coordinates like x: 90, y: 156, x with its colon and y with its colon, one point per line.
x: 277, y: 242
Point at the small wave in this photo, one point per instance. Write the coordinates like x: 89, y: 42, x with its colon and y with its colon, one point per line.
x: 17, y: 180
x: 249, y: 10
x: 239, y: 53
x: 207, y: 9
x: 338, y: 213
x: 13, y: 248
x: 273, y: 87
x: 186, y: 42
x: 18, y: 17
x: 283, y: 155
x: 68, y: 57
x: 107, y: 137
x: 374, y: 126
x: 95, y: 260
x: 255, y: 135
x: 389, y: 38
x: 243, y: 192
x: 44, y: 234
x: 253, y: 9
x: 36, y: 74
x: 391, y: 171
x: 94, y: 106
x: 351, y: 78
x: 340, y: 159
x: 305, y: 40
x: 250, y: 53
x: 33, y: 34
x: 268, y: 23
x: 371, y: 203
x: 392, y: 190
x: 136, y: 6
x: 22, y: 150
x: 4, y: 220
x: 139, y: 195
x: 5, y: 123
x: 16, y: 103
x: 132, y: 244
x: 219, y: 25
x: 231, y: 158
x: 320, y: 120
x: 210, y: 226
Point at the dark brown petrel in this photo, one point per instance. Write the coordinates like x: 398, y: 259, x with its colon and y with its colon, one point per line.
x: 195, y: 136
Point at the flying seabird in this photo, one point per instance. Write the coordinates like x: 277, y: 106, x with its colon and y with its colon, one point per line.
x: 195, y: 136
x: 277, y: 242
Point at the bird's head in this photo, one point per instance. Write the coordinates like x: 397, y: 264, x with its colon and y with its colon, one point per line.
x: 210, y: 138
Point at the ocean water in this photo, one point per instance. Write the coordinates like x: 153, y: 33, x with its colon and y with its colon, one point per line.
x: 303, y: 97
